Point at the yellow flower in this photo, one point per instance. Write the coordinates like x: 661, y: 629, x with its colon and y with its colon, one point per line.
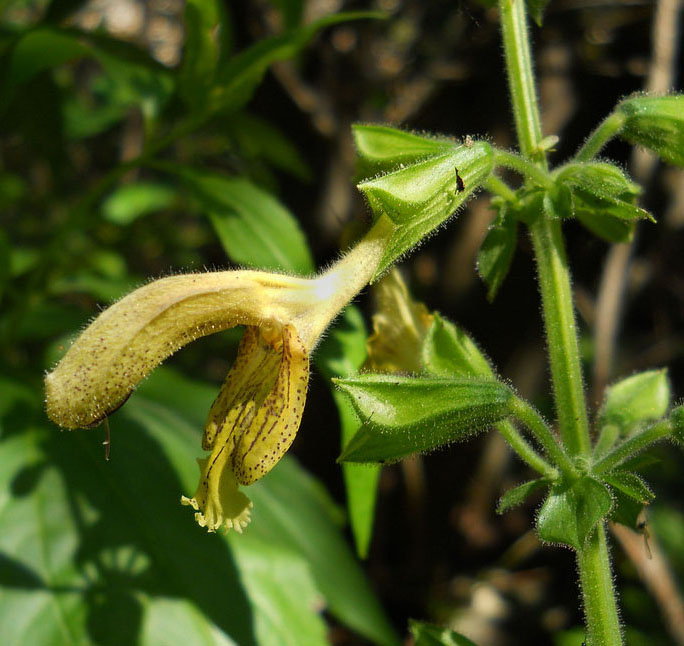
x: 258, y: 410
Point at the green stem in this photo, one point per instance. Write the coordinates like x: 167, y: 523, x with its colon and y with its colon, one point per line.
x: 498, y: 187
x: 632, y: 446
x: 521, y: 78
x: 529, y: 416
x: 561, y: 334
x: 610, y: 127
x: 523, y: 166
x: 603, y: 626
x: 600, y: 608
x: 525, y: 451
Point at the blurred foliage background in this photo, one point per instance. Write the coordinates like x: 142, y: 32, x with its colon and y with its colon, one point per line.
x: 139, y: 139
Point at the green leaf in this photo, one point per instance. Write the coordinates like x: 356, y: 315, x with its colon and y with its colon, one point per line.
x: 383, y: 149
x: 35, y: 51
x: 296, y: 514
x: 129, y: 202
x: 518, y: 495
x: 138, y: 78
x: 261, y: 140
x: 406, y: 415
x: 13, y: 188
x: 103, y: 553
x: 635, y: 401
x: 630, y: 484
x: 203, y: 22
x: 626, y: 510
x: 255, y: 229
x: 601, y: 189
x: 536, y: 9
x: 656, y: 123
x: 449, y: 352
x: 280, y: 584
x: 341, y: 354
x: 425, y: 634
x: 572, y: 510
x: 423, y: 195
x: 238, y: 78
x: 605, y: 226
x: 559, y: 203
x: 496, y: 253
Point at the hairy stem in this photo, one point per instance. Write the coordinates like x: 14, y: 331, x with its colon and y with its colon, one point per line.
x: 521, y: 78
x: 523, y: 166
x: 561, y: 334
x: 524, y: 450
x: 603, y: 626
x: 536, y: 424
x: 632, y: 446
x: 600, y: 608
x: 610, y: 127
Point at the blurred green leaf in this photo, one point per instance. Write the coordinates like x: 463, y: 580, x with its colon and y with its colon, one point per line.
x: 237, y: 79
x: 572, y: 637
x: 406, y: 415
x: 572, y: 510
x: 626, y: 510
x: 634, y: 401
x: 201, y: 50
x: 536, y: 9
x: 449, y: 352
x: 421, y: 196
x: 82, y: 119
x: 496, y: 254
x: 34, y: 51
x: 103, y: 289
x: 138, y: 79
x: 668, y: 525
x: 45, y: 319
x: 426, y: 634
x: 259, y: 139
x: 341, y: 354
x: 22, y: 260
x: 518, y: 495
x: 656, y: 123
x: 128, y: 202
x: 12, y: 189
x: 255, y: 229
